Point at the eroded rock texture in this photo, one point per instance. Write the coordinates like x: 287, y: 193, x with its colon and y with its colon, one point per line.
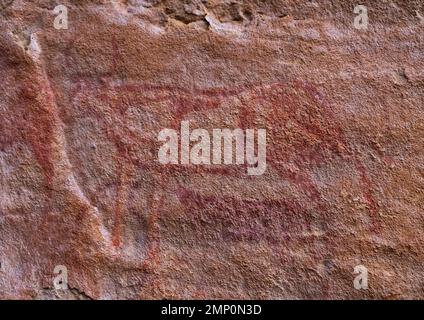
x: 81, y: 185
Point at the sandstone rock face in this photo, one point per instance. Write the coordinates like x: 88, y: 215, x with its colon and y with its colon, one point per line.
x: 82, y: 187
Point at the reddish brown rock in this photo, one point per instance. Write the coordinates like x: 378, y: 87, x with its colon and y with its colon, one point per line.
x: 81, y: 185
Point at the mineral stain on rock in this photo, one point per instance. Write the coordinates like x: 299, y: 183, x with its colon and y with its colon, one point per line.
x: 81, y: 184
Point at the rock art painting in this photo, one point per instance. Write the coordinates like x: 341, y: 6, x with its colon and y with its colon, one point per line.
x: 87, y: 87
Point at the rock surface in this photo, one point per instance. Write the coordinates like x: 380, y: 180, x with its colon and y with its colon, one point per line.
x: 81, y: 185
